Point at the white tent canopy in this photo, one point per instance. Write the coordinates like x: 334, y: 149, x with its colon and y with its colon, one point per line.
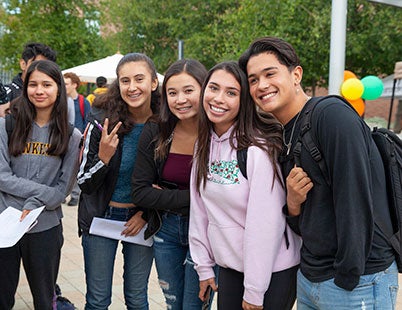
x: 389, y: 84
x: 102, y: 67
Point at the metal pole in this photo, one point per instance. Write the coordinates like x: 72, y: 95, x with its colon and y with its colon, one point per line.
x: 337, y: 48
x: 180, y: 48
x: 392, y: 104
x: 397, y: 76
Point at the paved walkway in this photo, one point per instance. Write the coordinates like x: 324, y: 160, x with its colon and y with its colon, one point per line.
x: 72, y: 279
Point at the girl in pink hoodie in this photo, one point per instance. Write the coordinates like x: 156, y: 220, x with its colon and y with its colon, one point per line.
x: 237, y: 222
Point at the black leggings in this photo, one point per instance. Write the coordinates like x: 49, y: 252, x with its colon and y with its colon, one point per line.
x: 40, y: 255
x: 281, y: 293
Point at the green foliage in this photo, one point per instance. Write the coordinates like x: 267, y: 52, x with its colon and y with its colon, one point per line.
x: 63, y: 25
x: 154, y: 27
x: 374, y: 37
x: 212, y: 31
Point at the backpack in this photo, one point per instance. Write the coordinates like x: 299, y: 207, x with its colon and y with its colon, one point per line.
x: 60, y: 302
x: 242, y: 161
x: 390, y: 148
x: 82, y: 106
x: 3, y: 94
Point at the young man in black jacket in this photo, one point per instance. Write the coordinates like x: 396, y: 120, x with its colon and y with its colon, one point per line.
x: 3, y: 94
x: 346, y: 262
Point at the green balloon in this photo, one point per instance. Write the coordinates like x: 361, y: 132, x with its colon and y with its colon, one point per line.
x: 373, y: 87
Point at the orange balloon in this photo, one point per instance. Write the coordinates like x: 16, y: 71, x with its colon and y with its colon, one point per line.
x: 358, y: 105
x: 348, y: 75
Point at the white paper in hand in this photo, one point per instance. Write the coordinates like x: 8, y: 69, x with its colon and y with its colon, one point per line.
x: 112, y: 229
x: 12, y: 229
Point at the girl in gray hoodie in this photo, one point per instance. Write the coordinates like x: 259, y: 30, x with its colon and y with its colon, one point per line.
x: 38, y: 165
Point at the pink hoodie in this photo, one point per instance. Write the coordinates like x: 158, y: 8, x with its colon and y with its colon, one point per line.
x: 238, y: 223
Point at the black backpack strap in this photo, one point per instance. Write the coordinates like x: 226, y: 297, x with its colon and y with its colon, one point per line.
x: 242, y: 161
x: 307, y: 135
x: 306, y: 138
x: 10, y: 123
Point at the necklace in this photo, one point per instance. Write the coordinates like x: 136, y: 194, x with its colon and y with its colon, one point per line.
x: 289, y: 144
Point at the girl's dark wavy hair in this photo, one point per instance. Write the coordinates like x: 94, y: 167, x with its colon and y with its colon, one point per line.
x: 167, y: 120
x: 113, y: 104
x: 250, y: 128
x: 24, y: 113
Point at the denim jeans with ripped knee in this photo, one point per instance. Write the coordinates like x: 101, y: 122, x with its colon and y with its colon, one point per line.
x: 177, y: 277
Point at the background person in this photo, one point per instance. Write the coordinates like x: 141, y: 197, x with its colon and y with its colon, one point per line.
x: 32, y: 51
x: 3, y: 95
x: 104, y: 178
x: 101, y: 88
x: 81, y: 109
x: 72, y: 82
x: 237, y: 223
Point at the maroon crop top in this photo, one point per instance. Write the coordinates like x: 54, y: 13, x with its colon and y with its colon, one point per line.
x: 177, y: 169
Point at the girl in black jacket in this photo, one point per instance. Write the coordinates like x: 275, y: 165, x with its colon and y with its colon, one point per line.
x: 161, y: 181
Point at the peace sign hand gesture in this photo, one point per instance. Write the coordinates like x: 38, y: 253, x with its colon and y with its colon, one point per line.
x: 108, y: 142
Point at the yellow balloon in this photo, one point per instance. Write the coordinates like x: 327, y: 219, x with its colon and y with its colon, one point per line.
x: 352, y: 89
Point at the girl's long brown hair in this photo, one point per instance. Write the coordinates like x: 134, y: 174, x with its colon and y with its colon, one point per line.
x: 251, y: 127
x: 24, y: 113
x: 113, y: 104
x: 167, y: 120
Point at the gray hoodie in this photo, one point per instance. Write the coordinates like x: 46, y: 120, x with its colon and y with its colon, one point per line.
x: 34, y: 178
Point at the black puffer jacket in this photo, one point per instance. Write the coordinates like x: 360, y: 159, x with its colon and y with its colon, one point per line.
x: 148, y: 171
x: 14, y: 89
x: 95, y: 179
x: 3, y: 94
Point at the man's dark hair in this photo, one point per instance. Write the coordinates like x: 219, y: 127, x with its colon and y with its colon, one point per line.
x: 31, y: 50
x: 284, y: 52
x: 101, y: 81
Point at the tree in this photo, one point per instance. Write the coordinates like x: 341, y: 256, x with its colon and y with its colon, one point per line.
x: 299, y: 22
x: 154, y: 27
x: 71, y: 31
x: 373, y: 42
x: 217, y: 30
x: 212, y: 31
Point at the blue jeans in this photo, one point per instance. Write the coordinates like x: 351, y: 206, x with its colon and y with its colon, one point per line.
x: 374, y: 291
x: 177, y: 277
x: 99, y: 257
